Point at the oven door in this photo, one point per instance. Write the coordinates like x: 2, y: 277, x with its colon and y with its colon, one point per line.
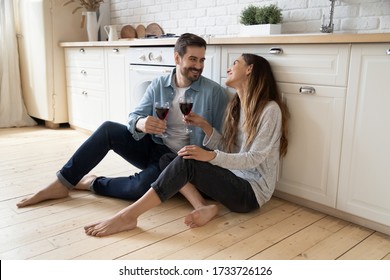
x: 140, y: 77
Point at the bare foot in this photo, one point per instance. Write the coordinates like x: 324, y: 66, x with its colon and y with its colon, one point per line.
x: 53, y: 191
x: 201, y: 216
x: 85, y: 183
x: 110, y: 226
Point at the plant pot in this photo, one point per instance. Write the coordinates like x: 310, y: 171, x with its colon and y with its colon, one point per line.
x: 260, y: 30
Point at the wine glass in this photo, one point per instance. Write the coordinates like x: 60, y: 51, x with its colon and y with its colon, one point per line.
x: 162, y: 109
x: 185, y: 104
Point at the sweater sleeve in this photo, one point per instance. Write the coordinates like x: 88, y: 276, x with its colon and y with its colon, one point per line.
x: 268, y: 135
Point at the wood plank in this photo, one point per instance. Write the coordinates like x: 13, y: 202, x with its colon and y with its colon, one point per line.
x: 307, y: 238
x: 336, y: 244
x: 268, y: 237
x: 375, y: 247
x: 226, y: 239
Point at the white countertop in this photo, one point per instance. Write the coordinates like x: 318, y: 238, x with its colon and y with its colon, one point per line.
x: 320, y: 38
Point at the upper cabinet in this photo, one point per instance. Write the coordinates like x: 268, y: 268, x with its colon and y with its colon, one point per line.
x: 363, y: 186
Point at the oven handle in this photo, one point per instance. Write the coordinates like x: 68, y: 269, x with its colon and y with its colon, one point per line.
x: 151, y: 70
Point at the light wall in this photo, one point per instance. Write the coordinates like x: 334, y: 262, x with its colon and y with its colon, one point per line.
x: 222, y: 17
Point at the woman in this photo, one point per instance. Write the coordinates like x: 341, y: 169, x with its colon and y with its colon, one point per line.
x: 240, y: 170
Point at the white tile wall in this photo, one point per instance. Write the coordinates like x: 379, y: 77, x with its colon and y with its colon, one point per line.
x: 222, y: 17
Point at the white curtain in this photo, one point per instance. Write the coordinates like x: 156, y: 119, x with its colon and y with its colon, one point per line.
x: 13, y: 112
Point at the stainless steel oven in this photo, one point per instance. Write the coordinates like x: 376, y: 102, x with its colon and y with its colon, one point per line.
x: 146, y: 64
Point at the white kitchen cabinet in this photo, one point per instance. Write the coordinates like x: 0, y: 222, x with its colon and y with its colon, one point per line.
x: 86, y: 87
x: 364, y: 183
x: 212, y: 64
x: 312, y: 80
x: 318, y: 64
x: 117, y: 73
x: 310, y: 168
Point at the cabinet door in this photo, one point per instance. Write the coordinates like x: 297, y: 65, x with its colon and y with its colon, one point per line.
x: 117, y: 79
x: 364, y: 188
x: 212, y: 65
x: 310, y: 168
x: 86, y: 108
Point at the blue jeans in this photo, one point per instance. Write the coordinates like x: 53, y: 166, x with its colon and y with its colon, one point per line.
x: 143, y: 154
x: 216, y: 182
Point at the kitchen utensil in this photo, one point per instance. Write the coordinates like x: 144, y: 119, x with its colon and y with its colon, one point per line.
x: 141, y: 31
x: 128, y: 31
x: 154, y: 29
x: 111, y: 32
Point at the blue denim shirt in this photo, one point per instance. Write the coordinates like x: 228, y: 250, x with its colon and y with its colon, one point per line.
x: 210, y: 102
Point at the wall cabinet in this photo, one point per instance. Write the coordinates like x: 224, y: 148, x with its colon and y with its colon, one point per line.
x: 363, y: 186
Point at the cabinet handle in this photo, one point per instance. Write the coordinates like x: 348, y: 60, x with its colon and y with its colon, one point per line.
x: 307, y: 90
x: 276, y: 51
x: 84, y: 92
x: 115, y: 50
x: 83, y: 72
x: 82, y: 50
x: 388, y: 52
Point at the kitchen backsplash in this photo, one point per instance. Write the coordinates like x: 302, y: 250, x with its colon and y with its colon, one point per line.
x: 222, y: 17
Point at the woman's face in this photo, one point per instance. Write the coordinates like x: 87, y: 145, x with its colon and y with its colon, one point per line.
x: 238, y: 74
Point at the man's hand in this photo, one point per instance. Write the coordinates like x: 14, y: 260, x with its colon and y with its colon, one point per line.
x: 151, y: 125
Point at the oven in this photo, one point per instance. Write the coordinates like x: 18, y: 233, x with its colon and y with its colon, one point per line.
x: 146, y: 64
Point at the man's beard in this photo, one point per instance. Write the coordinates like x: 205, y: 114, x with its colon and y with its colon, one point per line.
x: 189, y: 75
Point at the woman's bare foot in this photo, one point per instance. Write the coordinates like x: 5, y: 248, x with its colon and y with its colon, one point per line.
x: 53, y: 191
x: 110, y: 226
x: 201, y: 216
x: 85, y: 182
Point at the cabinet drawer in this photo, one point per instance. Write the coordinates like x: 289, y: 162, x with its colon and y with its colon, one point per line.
x: 311, y: 64
x: 90, y: 78
x: 84, y: 57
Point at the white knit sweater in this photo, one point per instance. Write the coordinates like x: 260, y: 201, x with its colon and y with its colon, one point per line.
x: 257, y: 163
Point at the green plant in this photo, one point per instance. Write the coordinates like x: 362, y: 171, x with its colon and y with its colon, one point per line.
x: 270, y: 14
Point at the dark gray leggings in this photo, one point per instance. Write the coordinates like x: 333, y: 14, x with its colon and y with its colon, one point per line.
x: 216, y: 182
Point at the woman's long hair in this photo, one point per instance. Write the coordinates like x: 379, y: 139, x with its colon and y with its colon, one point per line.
x: 261, y: 89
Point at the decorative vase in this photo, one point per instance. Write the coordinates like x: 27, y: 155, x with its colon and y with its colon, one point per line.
x: 93, y: 26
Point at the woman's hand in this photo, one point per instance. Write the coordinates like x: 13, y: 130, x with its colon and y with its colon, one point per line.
x: 151, y: 125
x: 197, y: 153
x: 196, y: 120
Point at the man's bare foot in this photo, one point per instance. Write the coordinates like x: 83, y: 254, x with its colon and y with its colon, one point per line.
x: 201, y: 216
x: 110, y: 226
x: 53, y: 191
x: 85, y: 182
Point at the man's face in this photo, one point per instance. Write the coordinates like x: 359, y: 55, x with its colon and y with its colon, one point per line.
x: 190, y: 66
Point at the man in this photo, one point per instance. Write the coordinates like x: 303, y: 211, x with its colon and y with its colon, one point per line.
x: 137, y: 143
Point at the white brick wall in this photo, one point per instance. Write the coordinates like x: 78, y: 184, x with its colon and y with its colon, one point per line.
x: 222, y: 17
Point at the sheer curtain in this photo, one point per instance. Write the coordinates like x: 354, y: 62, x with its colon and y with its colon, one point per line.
x: 13, y: 112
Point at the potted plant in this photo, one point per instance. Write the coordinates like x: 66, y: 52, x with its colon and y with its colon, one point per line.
x: 261, y: 20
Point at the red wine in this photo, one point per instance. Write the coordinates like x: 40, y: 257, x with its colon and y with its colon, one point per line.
x: 185, y: 108
x: 162, y: 112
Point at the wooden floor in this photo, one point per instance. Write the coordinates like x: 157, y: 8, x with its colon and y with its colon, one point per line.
x: 29, y: 158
